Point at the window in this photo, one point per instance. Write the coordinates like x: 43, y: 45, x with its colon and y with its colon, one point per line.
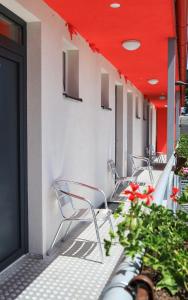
x: 71, y: 74
x: 64, y: 71
x: 145, y: 109
x: 137, y: 105
x: 10, y: 29
x: 105, y: 90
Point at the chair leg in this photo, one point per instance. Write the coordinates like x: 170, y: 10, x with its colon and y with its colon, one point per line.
x: 114, y: 190
x: 135, y: 171
x: 111, y: 223
x: 67, y: 231
x: 151, y: 176
x: 55, y: 238
x: 98, y: 236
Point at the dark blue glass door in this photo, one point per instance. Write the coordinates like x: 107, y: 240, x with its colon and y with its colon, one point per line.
x: 13, y: 171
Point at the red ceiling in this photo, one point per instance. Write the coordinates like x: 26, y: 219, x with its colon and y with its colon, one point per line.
x: 149, y: 21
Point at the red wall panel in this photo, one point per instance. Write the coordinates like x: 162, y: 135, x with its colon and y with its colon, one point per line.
x: 162, y: 130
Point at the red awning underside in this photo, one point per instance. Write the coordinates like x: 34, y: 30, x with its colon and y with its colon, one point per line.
x: 151, y: 22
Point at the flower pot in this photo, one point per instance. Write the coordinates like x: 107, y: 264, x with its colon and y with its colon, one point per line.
x: 143, y: 287
x: 180, y: 162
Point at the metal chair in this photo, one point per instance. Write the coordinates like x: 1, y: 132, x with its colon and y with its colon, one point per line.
x: 85, y: 212
x: 158, y: 157
x: 117, y: 179
x: 137, y: 166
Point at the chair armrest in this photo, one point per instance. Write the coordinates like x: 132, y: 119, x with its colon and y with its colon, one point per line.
x: 87, y: 186
x: 142, y: 158
x: 127, y: 179
x: 77, y: 197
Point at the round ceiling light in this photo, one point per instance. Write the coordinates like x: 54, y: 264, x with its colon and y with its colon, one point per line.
x: 162, y: 97
x: 115, y: 5
x: 153, y: 81
x: 131, y: 45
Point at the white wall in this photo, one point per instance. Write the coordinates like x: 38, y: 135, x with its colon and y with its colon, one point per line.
x: 139, y: 127
x: 152, y: 126
x: 76, y: 139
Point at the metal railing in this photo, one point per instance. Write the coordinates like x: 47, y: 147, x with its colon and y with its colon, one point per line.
x: 118, y: 287
x: 166, y: 182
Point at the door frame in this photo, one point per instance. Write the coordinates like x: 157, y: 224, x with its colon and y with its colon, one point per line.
x: 119, y: 130
x: 130, y: 124
x: 11, y: 50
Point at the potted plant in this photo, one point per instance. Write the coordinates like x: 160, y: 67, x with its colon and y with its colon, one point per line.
x: 181, y: 153
x: 159, y: 236
x: 183, y: 172
x: 183, y: 199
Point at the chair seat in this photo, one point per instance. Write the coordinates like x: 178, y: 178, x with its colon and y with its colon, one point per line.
x: 124, y: 179
x: 85, y: 215
x: 144, y: 168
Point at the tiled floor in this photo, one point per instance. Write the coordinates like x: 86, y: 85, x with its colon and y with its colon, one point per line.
x: 157, y: 170
x: 73, y: 272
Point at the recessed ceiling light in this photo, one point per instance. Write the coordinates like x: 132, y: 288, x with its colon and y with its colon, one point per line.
x: 153, y: 81
x: 115, y: 5
x: 131, y: 45
x: 162, y: 97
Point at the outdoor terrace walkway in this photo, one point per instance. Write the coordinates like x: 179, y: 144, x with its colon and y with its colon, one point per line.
x: 73, y: 272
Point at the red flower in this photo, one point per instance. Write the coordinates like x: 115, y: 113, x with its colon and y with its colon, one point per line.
x: 147, y: 196
x: 175, y: 190
x: 133, y: 194
x: 173, y: 196
x: 150, y: 189
x: 134, y: 186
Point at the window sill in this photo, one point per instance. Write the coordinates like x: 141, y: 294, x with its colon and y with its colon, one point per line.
x: 107, y: 108
x: 73, y: 98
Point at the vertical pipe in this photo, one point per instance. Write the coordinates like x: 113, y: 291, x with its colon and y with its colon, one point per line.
x: 177, y: 115
x: 150, y: 124
x: 171, y: 96
x: 181, y: 19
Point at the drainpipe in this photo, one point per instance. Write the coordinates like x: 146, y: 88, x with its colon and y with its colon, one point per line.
x: 118, y: 288
x: 181, y: 21
x: 171, y: 96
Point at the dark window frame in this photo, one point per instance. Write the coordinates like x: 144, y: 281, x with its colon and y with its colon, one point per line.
x: 105, y: 94
x: 145, y: 110
x: 11, y: 48
x: 65, y: 73
x: 137, y: 108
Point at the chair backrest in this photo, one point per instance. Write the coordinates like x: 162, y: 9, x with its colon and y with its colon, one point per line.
x: 147, y: 151
x: 75, y: 196
x: 136, y: 161
x: 66, y: 203
x: 132, y: 159
x: 151, y: 150
x: 112, y: 168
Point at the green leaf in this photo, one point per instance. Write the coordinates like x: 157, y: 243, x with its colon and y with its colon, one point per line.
x: 116, y: 215
x: 107, y: 246
x: 169, y: 283
x: 112, y: 234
